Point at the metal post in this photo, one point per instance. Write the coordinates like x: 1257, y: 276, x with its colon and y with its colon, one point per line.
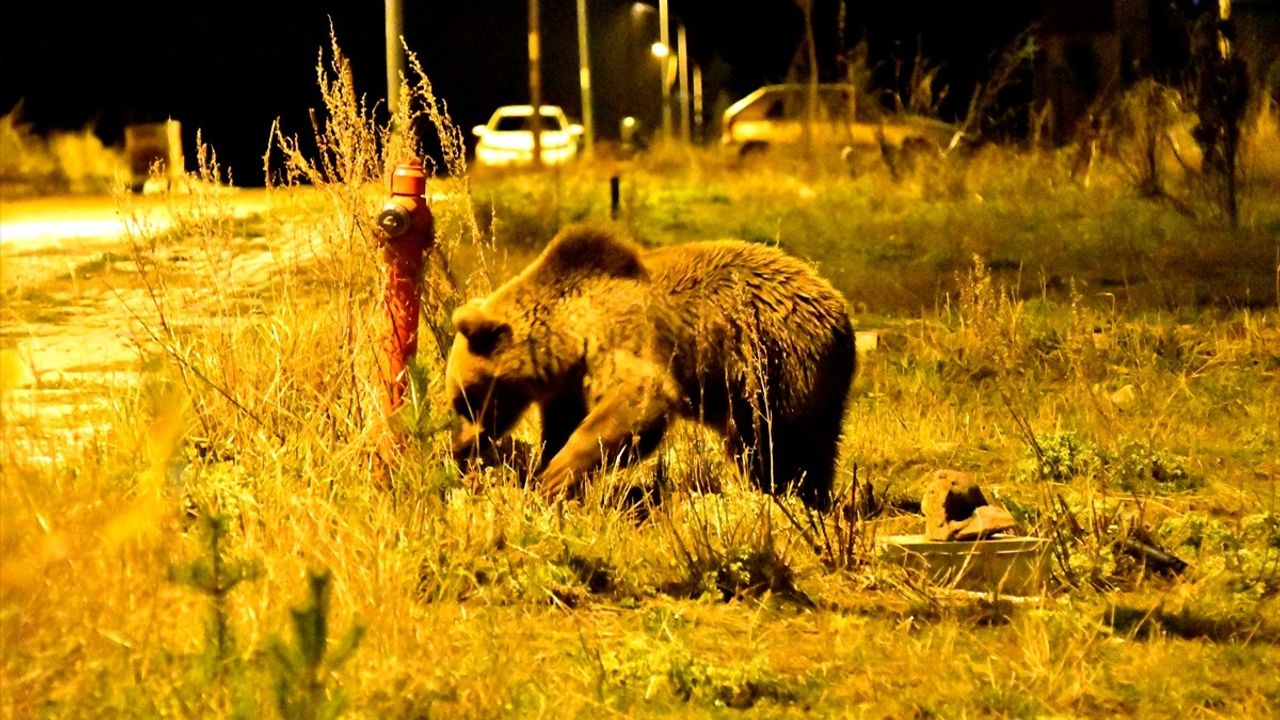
x: 395, y: 53
x: 584, y: 80
x: 682, y: 56
x: 664, y: 33
x: 535, y: 82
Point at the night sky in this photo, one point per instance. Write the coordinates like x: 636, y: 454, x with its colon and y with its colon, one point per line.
x: 230, y: 68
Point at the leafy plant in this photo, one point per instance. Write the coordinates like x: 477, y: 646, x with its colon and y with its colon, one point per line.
x: 1138, y: 466
x: 725, y: 556
x: 1061, y: 457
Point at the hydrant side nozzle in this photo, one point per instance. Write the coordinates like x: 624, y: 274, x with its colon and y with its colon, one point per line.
x: 407, y: 201
x: 394, y: 219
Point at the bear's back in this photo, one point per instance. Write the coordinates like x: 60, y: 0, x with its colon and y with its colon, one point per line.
x: 732, y: 309
x: 745, y: 282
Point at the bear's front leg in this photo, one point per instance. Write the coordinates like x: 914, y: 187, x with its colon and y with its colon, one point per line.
x: 473, y: 448
x: 625, y: 423
x: 478, y: 437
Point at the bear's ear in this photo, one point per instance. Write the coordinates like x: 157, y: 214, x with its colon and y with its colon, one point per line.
x: 482, y: 330
x: 595, y: 249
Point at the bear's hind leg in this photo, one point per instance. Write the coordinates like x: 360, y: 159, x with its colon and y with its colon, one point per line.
x: 797, y: 458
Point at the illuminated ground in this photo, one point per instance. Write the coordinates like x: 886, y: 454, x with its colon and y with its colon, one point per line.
x: 73, y: 295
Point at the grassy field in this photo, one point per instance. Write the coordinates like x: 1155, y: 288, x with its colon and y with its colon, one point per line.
x: 222, y: 533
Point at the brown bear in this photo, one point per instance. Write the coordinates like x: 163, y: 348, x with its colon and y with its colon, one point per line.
x: 612, y: 342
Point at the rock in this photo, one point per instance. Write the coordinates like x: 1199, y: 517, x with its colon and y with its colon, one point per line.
x: 955, y: 508
x: 951, y: 496
x: 1125, y: 397
x: 866, y: 341
x: 985, y: 522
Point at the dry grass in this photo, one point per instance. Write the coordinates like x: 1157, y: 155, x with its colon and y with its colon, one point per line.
x: 1093, y: 356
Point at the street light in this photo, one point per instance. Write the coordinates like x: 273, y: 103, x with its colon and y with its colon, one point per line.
x: 662, y: 51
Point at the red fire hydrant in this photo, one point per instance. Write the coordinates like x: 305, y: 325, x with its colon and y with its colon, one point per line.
x: 408, y: 232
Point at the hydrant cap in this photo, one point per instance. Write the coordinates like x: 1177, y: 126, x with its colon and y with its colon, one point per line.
x: 409, y: 179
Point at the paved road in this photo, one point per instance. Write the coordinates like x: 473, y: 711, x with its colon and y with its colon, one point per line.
x: 35, y: 223
x: 70, y: 338
x: 41, y: 222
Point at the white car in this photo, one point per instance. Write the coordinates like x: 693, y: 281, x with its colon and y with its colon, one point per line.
x: 507, y: 140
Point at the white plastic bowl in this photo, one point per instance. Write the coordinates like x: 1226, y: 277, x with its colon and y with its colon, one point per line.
x: 1009, y: 564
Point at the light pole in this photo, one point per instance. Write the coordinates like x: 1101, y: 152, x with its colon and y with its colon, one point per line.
x: 663, y: 54
x: 662, y: 50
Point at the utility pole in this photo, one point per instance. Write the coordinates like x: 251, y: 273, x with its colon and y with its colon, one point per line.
x: 535, y: 82
x: 697, y: 104
x: 395, y: 53
x: 811, y: 96
x: 584, y: 80
x: 682, y: 56
x: 664, y: 33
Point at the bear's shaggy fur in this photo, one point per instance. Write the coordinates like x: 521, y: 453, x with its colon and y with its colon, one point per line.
x: 612, y: 342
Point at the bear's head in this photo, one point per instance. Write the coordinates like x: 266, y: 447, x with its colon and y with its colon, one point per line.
x: 521, y: 344
x: 480, y: 376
